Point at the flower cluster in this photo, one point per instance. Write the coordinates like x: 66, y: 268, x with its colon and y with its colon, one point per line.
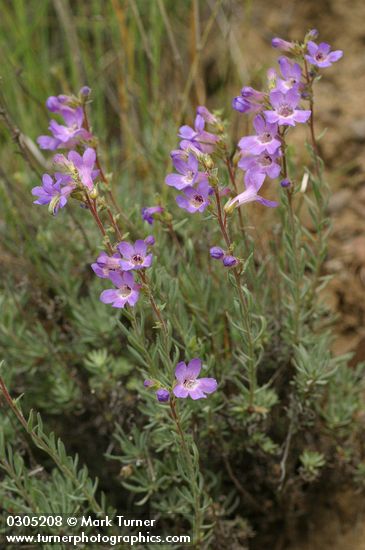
x: 119, y: 267
x: 217, y: 253
x: 195, y: 143
x: 73, y: 132
x: 75, y: 176
x: 76, y: 173
x: 276, y: 111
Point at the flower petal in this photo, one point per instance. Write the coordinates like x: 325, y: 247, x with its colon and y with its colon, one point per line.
x: 208, y: 385
x: 180, y: 391
x: 194, y: 368
x: 126, y: 249
x: 180, y: 371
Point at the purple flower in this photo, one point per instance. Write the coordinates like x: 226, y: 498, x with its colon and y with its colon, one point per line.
x: 105, y: 264
x: 253, y: 183
x: 148, y: 383
x: 195, y: 200
x: 291, y: 72
x: 162, y: 395
x: 285, y: 111
x: 127, y: 291
x: 85, y: 166
x: 265, y: 140
x: 282, y: 45
x: 60, y: 104
x: 188, y: 172
x: 250, y: 101
x: 64, y: 136
x: 188, y: 383
x: 148, y: 213
x: 53, y: 193
x: 208, y: 117
x: 230, y: 261
x: 264, y: 163
x: 321, y: 55
x: 197, y: 137
x: 134, y: 256
x: 216, y: 252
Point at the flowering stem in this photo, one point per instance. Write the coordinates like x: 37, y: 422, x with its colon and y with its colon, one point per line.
x: 233, y: 181
x: 103, y: 176
x: 293, y: 232
x: 245, y: 313
x: 96, y: 217
x: 192, y: 473
x: 155, y: 307
x: 311, y: 106
x: 114, y: 223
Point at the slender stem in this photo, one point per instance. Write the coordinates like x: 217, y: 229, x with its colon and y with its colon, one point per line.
x: 192, y: 472
x: 293, y: 232
x: 94, y: 212
x: 233, y: 181
x: 104, y: 178
x: 155, y: 307
x: 245, y: 313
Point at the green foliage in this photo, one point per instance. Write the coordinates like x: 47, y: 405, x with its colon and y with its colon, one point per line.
x: 286, y: 408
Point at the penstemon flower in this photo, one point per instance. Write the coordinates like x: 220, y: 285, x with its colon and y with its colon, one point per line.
x: 188, y: 172
x: 134, y: 256
x: 188, y: 383
x: 198, y: 137
x: 265, y: 140
x: 195, y: 200
x: 291, y: 72
x: 253, y: 183
x: 149, y: 212
x: 321, y: 55
x: 250, y: 101
x: 126, y: 291
x: 72, y: 132
x: 54, y: 193
x: 80, y: 168
x: 105, y: 264
x: 85, y: 166
x: 285, y: 111
x: 264, y: 163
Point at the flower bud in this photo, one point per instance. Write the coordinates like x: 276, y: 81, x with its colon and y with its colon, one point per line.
x: 206, y: 115
x: 85, y: 91
x: 162, y: 395
x: 216, y: 252
x: 94, y: 193
x: 207, y: 162
x: 282, y: 45
x: 271, y: 77
x: 148, y: 383
x: 285, y: 183
x: 150, y: 240
x: 230, y: 261
x: 311, y: 35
